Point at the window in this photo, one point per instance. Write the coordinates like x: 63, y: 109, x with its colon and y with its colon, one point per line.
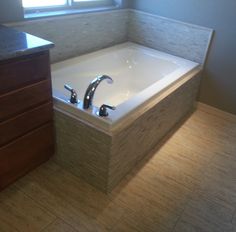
x: 31, y: 6
x: 43, y: 3
x: 47, y: 8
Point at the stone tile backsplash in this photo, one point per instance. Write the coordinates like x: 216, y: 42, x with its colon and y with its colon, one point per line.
x: 174, y: 37
x: 78, y: 34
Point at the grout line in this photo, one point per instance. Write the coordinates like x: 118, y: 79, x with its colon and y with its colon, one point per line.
x: 46, y: 226
x: 58, y: 218
x: 115, y: 224
x: 43, y: 207
x: 178, y: 220
x: 15, y: 229
x: 234, y: 213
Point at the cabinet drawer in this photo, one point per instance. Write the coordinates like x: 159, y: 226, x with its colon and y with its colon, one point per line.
x: 23, y: 123
x: 19, y: 72
x: 19, y: 101
x: 25, y: 153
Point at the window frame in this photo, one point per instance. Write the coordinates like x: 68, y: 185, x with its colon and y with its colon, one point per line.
x: 71, y: 5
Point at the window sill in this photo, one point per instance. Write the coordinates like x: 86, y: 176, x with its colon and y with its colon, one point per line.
x: 47, y: 14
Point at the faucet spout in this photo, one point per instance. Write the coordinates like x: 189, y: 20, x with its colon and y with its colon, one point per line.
x: 89, y: 94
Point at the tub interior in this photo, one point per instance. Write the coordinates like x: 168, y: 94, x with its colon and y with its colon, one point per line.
x: 133, y: 68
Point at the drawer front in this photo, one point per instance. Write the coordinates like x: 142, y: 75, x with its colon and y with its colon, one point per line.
x: 23, y: 99
x: 23, y: 123
x: 17, y: 73
x: 25, y: 153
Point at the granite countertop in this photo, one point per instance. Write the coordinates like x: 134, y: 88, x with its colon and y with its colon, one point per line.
x: 14, y: 43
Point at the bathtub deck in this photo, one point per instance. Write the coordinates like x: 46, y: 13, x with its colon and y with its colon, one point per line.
x: 189, y: 184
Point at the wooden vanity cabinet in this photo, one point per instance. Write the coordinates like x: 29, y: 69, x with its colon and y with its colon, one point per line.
x: 26, y: 114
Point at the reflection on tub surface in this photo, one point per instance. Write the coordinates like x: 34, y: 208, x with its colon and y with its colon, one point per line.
x: 138, y: 73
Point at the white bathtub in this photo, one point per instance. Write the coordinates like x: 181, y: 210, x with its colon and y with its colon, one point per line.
x: 139, y: 74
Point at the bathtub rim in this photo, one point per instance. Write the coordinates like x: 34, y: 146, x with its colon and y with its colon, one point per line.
x: 111, y: 127
x: 119, y: 116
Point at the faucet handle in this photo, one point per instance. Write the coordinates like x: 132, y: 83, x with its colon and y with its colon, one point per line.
x: 73, y: 96
x: 103, y: 110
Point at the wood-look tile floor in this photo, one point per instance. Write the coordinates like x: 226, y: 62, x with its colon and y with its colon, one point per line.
x: 188, y: 184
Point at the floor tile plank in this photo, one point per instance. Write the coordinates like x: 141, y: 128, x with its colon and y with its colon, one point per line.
x: 20, y: 213
x: 188, y: 184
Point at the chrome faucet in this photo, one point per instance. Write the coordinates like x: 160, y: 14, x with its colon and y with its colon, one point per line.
x: 89, y: 94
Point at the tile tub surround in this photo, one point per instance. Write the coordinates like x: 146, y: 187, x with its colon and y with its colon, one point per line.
x: 103, y: 158
x: 75, y: 35
x: 171, y: 36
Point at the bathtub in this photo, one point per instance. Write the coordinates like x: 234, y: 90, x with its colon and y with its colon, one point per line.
x: 139, y: 74
x: 152, y: 92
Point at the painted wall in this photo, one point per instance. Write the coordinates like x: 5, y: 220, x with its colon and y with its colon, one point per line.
x: 10, y: 10
x: 219, y: 83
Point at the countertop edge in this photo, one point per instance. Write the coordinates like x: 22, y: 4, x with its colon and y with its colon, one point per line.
x: 15, y: 43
